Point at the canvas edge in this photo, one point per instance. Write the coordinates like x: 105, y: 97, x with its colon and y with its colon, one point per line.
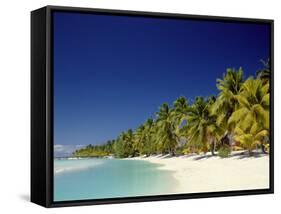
x: 49, y: 202
x: 38, y: 185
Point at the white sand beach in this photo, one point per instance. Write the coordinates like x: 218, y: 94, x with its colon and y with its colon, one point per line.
x: 206, y: 173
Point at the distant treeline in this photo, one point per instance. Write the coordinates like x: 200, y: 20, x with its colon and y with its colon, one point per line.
x: 237, y: 118
x: 96, y: 150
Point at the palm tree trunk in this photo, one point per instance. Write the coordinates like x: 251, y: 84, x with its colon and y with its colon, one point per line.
x: 263, y: 149
x: 213, y: 148
x: 172, y: 152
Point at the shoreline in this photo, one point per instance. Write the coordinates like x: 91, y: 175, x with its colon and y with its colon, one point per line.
x: 195, y: 173
x: 206, y: 173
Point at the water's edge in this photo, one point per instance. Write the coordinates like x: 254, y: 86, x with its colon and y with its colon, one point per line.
x: 108, y: 178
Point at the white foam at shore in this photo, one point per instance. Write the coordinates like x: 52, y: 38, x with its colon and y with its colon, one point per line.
x: 74, y: 165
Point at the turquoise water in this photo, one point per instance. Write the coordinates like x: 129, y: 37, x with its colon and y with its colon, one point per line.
x: 109, y: 178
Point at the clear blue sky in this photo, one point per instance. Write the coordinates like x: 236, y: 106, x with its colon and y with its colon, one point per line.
x: 111, y: 73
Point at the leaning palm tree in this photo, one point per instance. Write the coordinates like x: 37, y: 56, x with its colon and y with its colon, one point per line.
x: 166, y: 136
x: 252, y: 115
x: 226, y: 102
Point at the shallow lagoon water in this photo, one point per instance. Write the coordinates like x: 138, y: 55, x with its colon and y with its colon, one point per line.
x: 109, y: 178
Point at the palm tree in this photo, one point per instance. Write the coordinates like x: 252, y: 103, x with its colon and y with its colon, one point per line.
x: 180, y: 112
x: 166, y: 137
x: 108, y: 147
x: 129, y: 142
x: 118, y: 146
x: 139, y: 139
x: 226, y: 102
x: 149, y: 132
x: 201, y: 129
x: 264, y: 73
x: 252, y: 139
x: 214, y: 131
x: 252, y: 115
x: 123, y: 146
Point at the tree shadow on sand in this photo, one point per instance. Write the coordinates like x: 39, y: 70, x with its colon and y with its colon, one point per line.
x: 244, y: 155
x: 204, y: 157
x: 238, y: 155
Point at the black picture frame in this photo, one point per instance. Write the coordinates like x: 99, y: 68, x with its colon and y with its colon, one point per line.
x: 42, y: 108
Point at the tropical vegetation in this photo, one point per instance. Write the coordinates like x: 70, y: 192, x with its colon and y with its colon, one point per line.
x: 237, y: 118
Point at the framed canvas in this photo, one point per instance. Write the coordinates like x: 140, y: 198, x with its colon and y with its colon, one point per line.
x: 133, y: 106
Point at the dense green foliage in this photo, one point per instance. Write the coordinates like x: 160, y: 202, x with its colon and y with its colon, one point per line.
x: 96, y: 150
x: 237, y: 116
